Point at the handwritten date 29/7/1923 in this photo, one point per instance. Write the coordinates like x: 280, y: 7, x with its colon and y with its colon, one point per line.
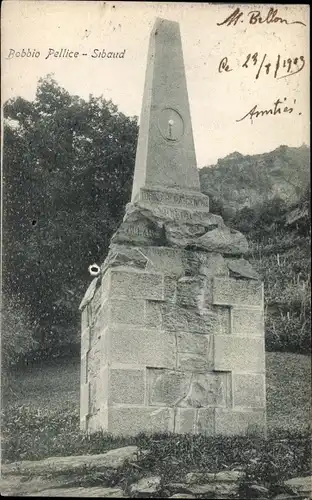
x: 282, y: 67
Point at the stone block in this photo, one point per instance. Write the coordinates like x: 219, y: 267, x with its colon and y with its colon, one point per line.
x: 208, y: 389
x: 94, y: 359
x: 98, y: 421
x: 102, y: 387
x: 85, y: 341
x: 205, y: 422
x: 247, y: 322
x: 211, y: 264
x: 241, y: 354
x: 191, y: 291
x: 141, y: 346
x: 89, y: 293
x: 185, y: 420
x: 168, y: 261
x: 241, y: 269
x: 233, y: 292
x: 83, y: 370
x: 183, y: 319
x: 84, y: 319
x: 194, y: 361
x: 137, y: 285
x: 170, y: 289
x: 229, y: 422
x: 93, y: 401
x: 96, y: 302
x: 248, y: 390
x: 173, y: 197
x: 223, y: 240
x: 126, y: 386
x: 153, y: 317
x: 166, y: 387
x: 130, y: 421
x: 194, y: 343
x: 122, y: 255
x: 223, y: 324
x: 129, y: 311
x: 84, y: 400
x: 101, y: 320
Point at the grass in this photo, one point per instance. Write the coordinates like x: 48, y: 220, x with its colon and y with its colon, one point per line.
x: 41, y: 410
x: 56, y: 386
x: 41, y: 419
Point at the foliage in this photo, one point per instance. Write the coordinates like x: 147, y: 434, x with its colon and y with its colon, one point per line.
x: 17, y: 331
x: 67, y: 166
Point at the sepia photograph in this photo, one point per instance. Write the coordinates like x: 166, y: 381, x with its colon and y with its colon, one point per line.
x: 155, y: 250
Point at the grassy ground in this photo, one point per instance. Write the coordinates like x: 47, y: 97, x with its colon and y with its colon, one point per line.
x: 56, y: 386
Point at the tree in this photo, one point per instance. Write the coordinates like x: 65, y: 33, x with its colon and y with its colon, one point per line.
x: 68, y: 167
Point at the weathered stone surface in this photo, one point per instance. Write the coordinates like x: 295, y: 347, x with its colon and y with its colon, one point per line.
x: 13, y: 485
x: 169, y: 261
x: 146, y: 485
x: 185, y: 420
x: 121, y: 255
x: 182, y: 495
x: 129, y: 421
x: 205, y: 423
x: 191, y: 291
x: 95, y: 491
x: 126, y: 386
x: 241, y: 268
x: 301, y: 485
x: 241, y: 354
x: 167, y: 387
x: 247, y: 322
x: 211, y: 264
x: 85, y: 341
x: 127, y: 311
x: 229, y: 422
x: 223, y: 315
x: 227, y: 476
x: 173, y: 197
x: 237, y: 292
x: 181, y: 234
x: 177, y: 318
x: 136, y: 285
x: 141, y: 346
x: 194, y: 343
x: 222, y: 240
x: 207, y: 390
x: 89, y: 293
x: 249, y: 390
x: 195, y: 362
x: 84, y: 400
x: 139, y: 229
x: 111, y: 459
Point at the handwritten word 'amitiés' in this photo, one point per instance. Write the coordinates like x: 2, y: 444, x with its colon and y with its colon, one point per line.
x: 255, y: 17
x: 280, y: 68
x: 279, y: 107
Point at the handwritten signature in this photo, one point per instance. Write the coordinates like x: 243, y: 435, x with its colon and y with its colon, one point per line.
x: 288, y: 67
x: 279, y: 107
x: 255, y: 17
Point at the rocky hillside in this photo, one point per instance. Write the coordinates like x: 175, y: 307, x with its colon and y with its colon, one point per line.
x: 244, y: 181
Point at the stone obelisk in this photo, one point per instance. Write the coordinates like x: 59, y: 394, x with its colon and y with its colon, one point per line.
x: 172, y: 328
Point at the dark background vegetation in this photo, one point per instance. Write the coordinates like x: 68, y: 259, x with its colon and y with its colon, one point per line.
x: 68, y: 167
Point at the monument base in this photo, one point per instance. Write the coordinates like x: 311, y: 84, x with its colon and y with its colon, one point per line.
x: 173, y: 341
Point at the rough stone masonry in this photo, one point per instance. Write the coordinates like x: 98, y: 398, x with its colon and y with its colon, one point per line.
x: 172, y: 328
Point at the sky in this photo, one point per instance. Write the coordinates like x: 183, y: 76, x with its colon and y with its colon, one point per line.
x: 218, y: 99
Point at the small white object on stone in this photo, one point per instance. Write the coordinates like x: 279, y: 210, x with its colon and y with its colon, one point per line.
x: 94, y: 270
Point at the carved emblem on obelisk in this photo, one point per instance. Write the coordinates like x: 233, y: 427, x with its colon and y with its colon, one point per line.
x: 171, y: 124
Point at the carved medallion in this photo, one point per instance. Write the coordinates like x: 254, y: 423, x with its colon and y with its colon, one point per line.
x: 171, y: 125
